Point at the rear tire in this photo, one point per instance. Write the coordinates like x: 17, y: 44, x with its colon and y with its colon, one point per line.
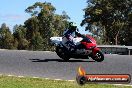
x: 61, y: 53
x: 99, y: 57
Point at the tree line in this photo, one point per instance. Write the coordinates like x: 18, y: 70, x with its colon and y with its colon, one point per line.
x: 36, y: 31
x: 109, y: 21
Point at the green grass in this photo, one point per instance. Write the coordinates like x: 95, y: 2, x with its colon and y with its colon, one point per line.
x: 15, y: 82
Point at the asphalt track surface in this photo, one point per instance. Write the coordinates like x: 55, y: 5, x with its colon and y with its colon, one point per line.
x: 49, y: 65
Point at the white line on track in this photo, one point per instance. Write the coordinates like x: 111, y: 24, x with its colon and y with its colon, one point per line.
x: 57, y: 79
x: 10, y: 75
x: 47, y: 78
x: 71, y: 80
x: 35, y: 77
x: 20, y: 76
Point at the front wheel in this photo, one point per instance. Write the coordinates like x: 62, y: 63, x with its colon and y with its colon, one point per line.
x: 99, y: 57
x: 61, y: 53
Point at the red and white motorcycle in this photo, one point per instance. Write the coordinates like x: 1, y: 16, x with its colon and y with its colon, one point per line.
x: 86, y: 47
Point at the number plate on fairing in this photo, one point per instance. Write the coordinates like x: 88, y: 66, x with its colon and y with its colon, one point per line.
x: 83, y: 51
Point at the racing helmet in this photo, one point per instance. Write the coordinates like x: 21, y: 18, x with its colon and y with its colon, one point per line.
x: 72, y: 26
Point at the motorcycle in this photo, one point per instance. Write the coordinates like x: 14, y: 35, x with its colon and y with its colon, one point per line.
x: 86, y: 47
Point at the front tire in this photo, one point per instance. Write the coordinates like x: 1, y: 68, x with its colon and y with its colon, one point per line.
x: 99, y: 57
x: 61, y: 53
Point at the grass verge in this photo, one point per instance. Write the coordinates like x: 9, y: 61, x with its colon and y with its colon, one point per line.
x: 15, y: 82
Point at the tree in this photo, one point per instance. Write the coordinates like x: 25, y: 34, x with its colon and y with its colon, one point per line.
x: 32, y: 26
x: 6, y: 38
x: 37, y: 42
x: 110, y: 18
x: 20, y: 40
x: 44, y: 23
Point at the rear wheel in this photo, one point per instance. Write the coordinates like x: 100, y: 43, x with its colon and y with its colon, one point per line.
x: 99, y: 57
x: 61, y: 53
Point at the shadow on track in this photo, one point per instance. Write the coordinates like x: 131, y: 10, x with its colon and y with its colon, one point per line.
x: 57, y: 60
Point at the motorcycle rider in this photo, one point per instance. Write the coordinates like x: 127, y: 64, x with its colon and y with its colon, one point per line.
x: 68, y: 36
